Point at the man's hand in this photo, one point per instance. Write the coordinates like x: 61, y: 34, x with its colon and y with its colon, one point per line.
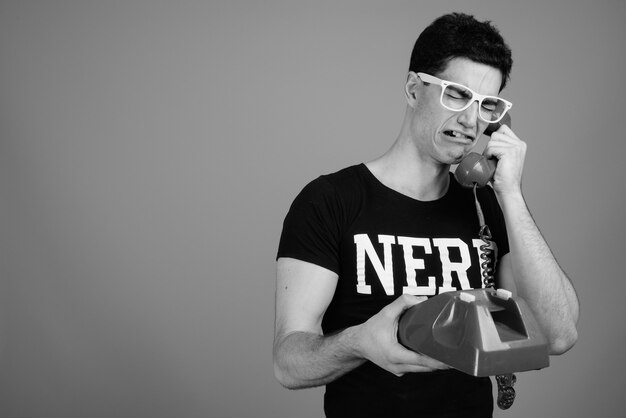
x: 510, y: 152
x: 377, y: 341
x: 530, y: 266
x: 305, y: 357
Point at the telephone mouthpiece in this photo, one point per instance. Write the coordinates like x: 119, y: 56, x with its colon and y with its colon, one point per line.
x: 475, y: 169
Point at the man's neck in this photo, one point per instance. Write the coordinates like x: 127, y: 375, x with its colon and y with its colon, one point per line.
x: 405, y: 172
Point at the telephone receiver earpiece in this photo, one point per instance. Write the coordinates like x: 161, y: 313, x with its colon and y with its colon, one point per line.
x: 492, y: 127
x: 476, y: 168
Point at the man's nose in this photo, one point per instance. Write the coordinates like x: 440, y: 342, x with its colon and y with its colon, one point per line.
x: 469, y: 117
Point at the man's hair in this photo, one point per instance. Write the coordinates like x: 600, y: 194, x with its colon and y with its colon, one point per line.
x: 458, y: 35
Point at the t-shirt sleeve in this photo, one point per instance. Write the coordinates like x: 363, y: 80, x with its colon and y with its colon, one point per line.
x: 494, y: 218
x: 311, y: 229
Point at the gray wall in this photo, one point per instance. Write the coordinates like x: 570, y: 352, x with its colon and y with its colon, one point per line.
x: 149, y: 151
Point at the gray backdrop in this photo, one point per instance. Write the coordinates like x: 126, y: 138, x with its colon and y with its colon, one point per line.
x: 149, y: 151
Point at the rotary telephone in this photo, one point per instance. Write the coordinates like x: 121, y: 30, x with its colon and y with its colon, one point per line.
x: 476, y: 168
x: 481, y: 332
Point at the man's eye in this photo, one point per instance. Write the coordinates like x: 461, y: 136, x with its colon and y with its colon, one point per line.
x: 455, y: 96
x: 490, y: 107
x: 457, y: 93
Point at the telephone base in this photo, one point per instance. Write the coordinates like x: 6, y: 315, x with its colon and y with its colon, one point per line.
x: 482, y: 332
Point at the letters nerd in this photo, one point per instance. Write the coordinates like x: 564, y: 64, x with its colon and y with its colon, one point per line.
x: 384, y: 269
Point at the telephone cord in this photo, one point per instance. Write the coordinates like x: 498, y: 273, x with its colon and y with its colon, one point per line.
x: 489, y: 255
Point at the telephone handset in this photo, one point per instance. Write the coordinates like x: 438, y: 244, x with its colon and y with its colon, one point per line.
x: 476, y: 168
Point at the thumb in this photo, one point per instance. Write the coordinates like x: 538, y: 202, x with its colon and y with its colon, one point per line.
x: 404, y: 302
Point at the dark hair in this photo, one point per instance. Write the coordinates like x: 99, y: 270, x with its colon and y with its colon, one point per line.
x: 458, y: 35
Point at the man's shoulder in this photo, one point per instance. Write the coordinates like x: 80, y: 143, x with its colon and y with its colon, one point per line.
x: 343, y: 188
x: 345, y: 176
x: 342, y: 181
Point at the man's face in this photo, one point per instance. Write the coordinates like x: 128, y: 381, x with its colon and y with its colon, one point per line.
x: 443, y: 135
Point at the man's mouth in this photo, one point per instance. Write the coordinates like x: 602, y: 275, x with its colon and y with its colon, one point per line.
x: 458, y: 135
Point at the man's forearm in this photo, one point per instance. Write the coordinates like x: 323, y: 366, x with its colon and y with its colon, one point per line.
x: 303, y: 359
x: 538, y: 277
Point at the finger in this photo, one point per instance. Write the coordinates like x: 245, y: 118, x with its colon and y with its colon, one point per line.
x: 502, y: 139
x: 413, y: 368
x: 423, y: 363
x: 434, y: 364
x: 408, y: 368
x: 494, y: 150
x: 401, y: 355
x: 505, y: 130
x: 500, y: 146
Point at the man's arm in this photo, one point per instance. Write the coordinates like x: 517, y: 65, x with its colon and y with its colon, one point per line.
x: 530, y: 268
x: 304, y: 357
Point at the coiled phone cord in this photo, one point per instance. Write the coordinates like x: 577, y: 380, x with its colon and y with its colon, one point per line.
x: 489, y: 253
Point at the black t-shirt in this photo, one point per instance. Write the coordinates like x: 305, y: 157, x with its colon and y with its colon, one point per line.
x: 382, y: 244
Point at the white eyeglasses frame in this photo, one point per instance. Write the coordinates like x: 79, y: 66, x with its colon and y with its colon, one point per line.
x: 476, y: 97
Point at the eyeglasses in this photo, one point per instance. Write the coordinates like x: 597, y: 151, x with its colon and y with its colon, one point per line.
x: 457, y: 97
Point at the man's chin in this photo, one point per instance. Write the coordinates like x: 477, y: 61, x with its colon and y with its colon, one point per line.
x: 453, y: 156
x: 456, y: 158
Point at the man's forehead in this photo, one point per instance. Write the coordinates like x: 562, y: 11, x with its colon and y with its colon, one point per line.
x: 475, y: 75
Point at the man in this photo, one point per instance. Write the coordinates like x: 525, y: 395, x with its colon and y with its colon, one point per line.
x: 362, y: 245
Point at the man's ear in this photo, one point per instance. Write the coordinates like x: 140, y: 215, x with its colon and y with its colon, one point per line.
x: 412, y: 83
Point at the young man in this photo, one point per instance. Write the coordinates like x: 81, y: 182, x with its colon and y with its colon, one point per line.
x: 362, y: 245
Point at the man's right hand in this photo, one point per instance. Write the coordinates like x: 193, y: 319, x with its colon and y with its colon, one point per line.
x: 377, y: 341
